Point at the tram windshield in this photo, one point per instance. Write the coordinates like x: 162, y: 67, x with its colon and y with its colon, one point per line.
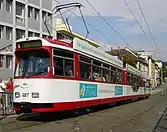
x: 32, y: 63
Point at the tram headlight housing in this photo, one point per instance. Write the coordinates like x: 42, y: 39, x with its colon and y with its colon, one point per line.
x: 35, y: 95
x: 17, y: 95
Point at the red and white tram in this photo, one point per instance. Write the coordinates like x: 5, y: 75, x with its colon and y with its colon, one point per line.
x: 52, y: 75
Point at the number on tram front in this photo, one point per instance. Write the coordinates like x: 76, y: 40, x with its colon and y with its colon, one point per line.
x: 25, y: 94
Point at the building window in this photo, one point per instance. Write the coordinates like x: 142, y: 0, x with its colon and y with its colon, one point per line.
x: 8, y: 33
x: 30, y: 12
x: 30, y: 34
x: 1, y: 31
x: 44, y: 36
x: 9, y: 5
x: 36, y: 14
x: 1, y: 60
x: 44, y: 15
x: 1, y: 4
x: 19, y: 12
x: 50, y: 18
x: 20, y: 34
x: 8, y: 61
x: 37, y: 34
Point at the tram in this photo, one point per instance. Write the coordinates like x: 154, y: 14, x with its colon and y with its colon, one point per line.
x: 51, y: 75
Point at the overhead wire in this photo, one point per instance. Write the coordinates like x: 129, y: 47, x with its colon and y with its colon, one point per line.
x: 147, y: 25
x: 51, y: 17
x: 95, y: 29
x: 108, y: 24
x: 138, y: 23
x: 114, y: 29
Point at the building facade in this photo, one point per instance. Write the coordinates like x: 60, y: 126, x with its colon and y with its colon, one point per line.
x: 149, y: 56
x: 142, y: 65
x: 18, y: 19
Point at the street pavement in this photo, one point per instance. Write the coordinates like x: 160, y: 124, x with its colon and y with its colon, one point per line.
x: 140, y: 116
x: 158, y: 89
x: 161, y: 125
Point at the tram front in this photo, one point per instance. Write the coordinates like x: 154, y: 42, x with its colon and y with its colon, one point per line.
x: 32, y: 76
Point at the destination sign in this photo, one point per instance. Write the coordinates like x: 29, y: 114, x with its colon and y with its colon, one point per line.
x: 30, y: 44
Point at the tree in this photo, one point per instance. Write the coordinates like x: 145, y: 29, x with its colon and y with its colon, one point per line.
x: 129, y: 60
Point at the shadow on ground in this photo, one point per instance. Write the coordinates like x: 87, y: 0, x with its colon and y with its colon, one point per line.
x: 56, y: 116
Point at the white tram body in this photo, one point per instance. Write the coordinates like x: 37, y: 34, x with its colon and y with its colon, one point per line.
x: 45, y: 92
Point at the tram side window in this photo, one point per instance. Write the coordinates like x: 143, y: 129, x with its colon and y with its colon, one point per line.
x: 85, y: 68
x: 85, y: 71
x: 63, y: 63
x: 129, y: 80
x: 147, y: 84
x: 138, y: 81
x: 97, y: 71
x: 69, y: 67
x: 134, y: 80
x: 141, y: 82
x: 113, y: 75
x: 119, y: 76
x: 58, y: 66
x: 106, y: 75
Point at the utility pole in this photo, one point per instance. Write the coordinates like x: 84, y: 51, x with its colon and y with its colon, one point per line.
x: 162, y: 82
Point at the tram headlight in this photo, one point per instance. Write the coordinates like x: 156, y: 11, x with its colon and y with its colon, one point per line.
x: 17, y: 95
x: 35, y: 95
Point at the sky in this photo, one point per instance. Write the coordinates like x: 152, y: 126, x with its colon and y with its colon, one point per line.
x: 118, y: 15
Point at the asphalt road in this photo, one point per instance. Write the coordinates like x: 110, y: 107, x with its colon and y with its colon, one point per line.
x: 140, y: 116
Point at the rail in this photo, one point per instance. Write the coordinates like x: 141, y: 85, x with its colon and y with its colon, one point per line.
x: 6, y: 103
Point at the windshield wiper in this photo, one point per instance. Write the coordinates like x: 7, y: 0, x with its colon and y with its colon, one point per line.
x: 37, y: 73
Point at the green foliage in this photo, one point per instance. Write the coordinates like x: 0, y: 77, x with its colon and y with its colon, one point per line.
x: 129, y: 60
x: 164, y: 70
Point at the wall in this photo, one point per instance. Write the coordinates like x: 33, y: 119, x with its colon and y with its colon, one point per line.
x: 9, y: 19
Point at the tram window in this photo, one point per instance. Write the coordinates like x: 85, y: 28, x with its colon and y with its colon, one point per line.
x: 63, y: 53
x: 96, y: 63
x: 63, y: 67
x: 85, y: 59
x: 147, y: 83
x: 141, y: 82
x: 85, y: 71
x: 129, y: 79
x: 97, y: 73
x: 113, y: 74
x: 133, y: 79
x: 63, y: 63
x: 34, y: 63
x: 106, y: 66
x: 58, y: 66
x: 106, y: 75
x: 138, y: 81
x: 69, y: 68
x: 119, y: 76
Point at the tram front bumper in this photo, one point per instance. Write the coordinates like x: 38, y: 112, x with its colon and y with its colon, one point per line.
x: 26, y: 107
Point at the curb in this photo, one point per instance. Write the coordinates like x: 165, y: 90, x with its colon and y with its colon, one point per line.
x: 7, y: 116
